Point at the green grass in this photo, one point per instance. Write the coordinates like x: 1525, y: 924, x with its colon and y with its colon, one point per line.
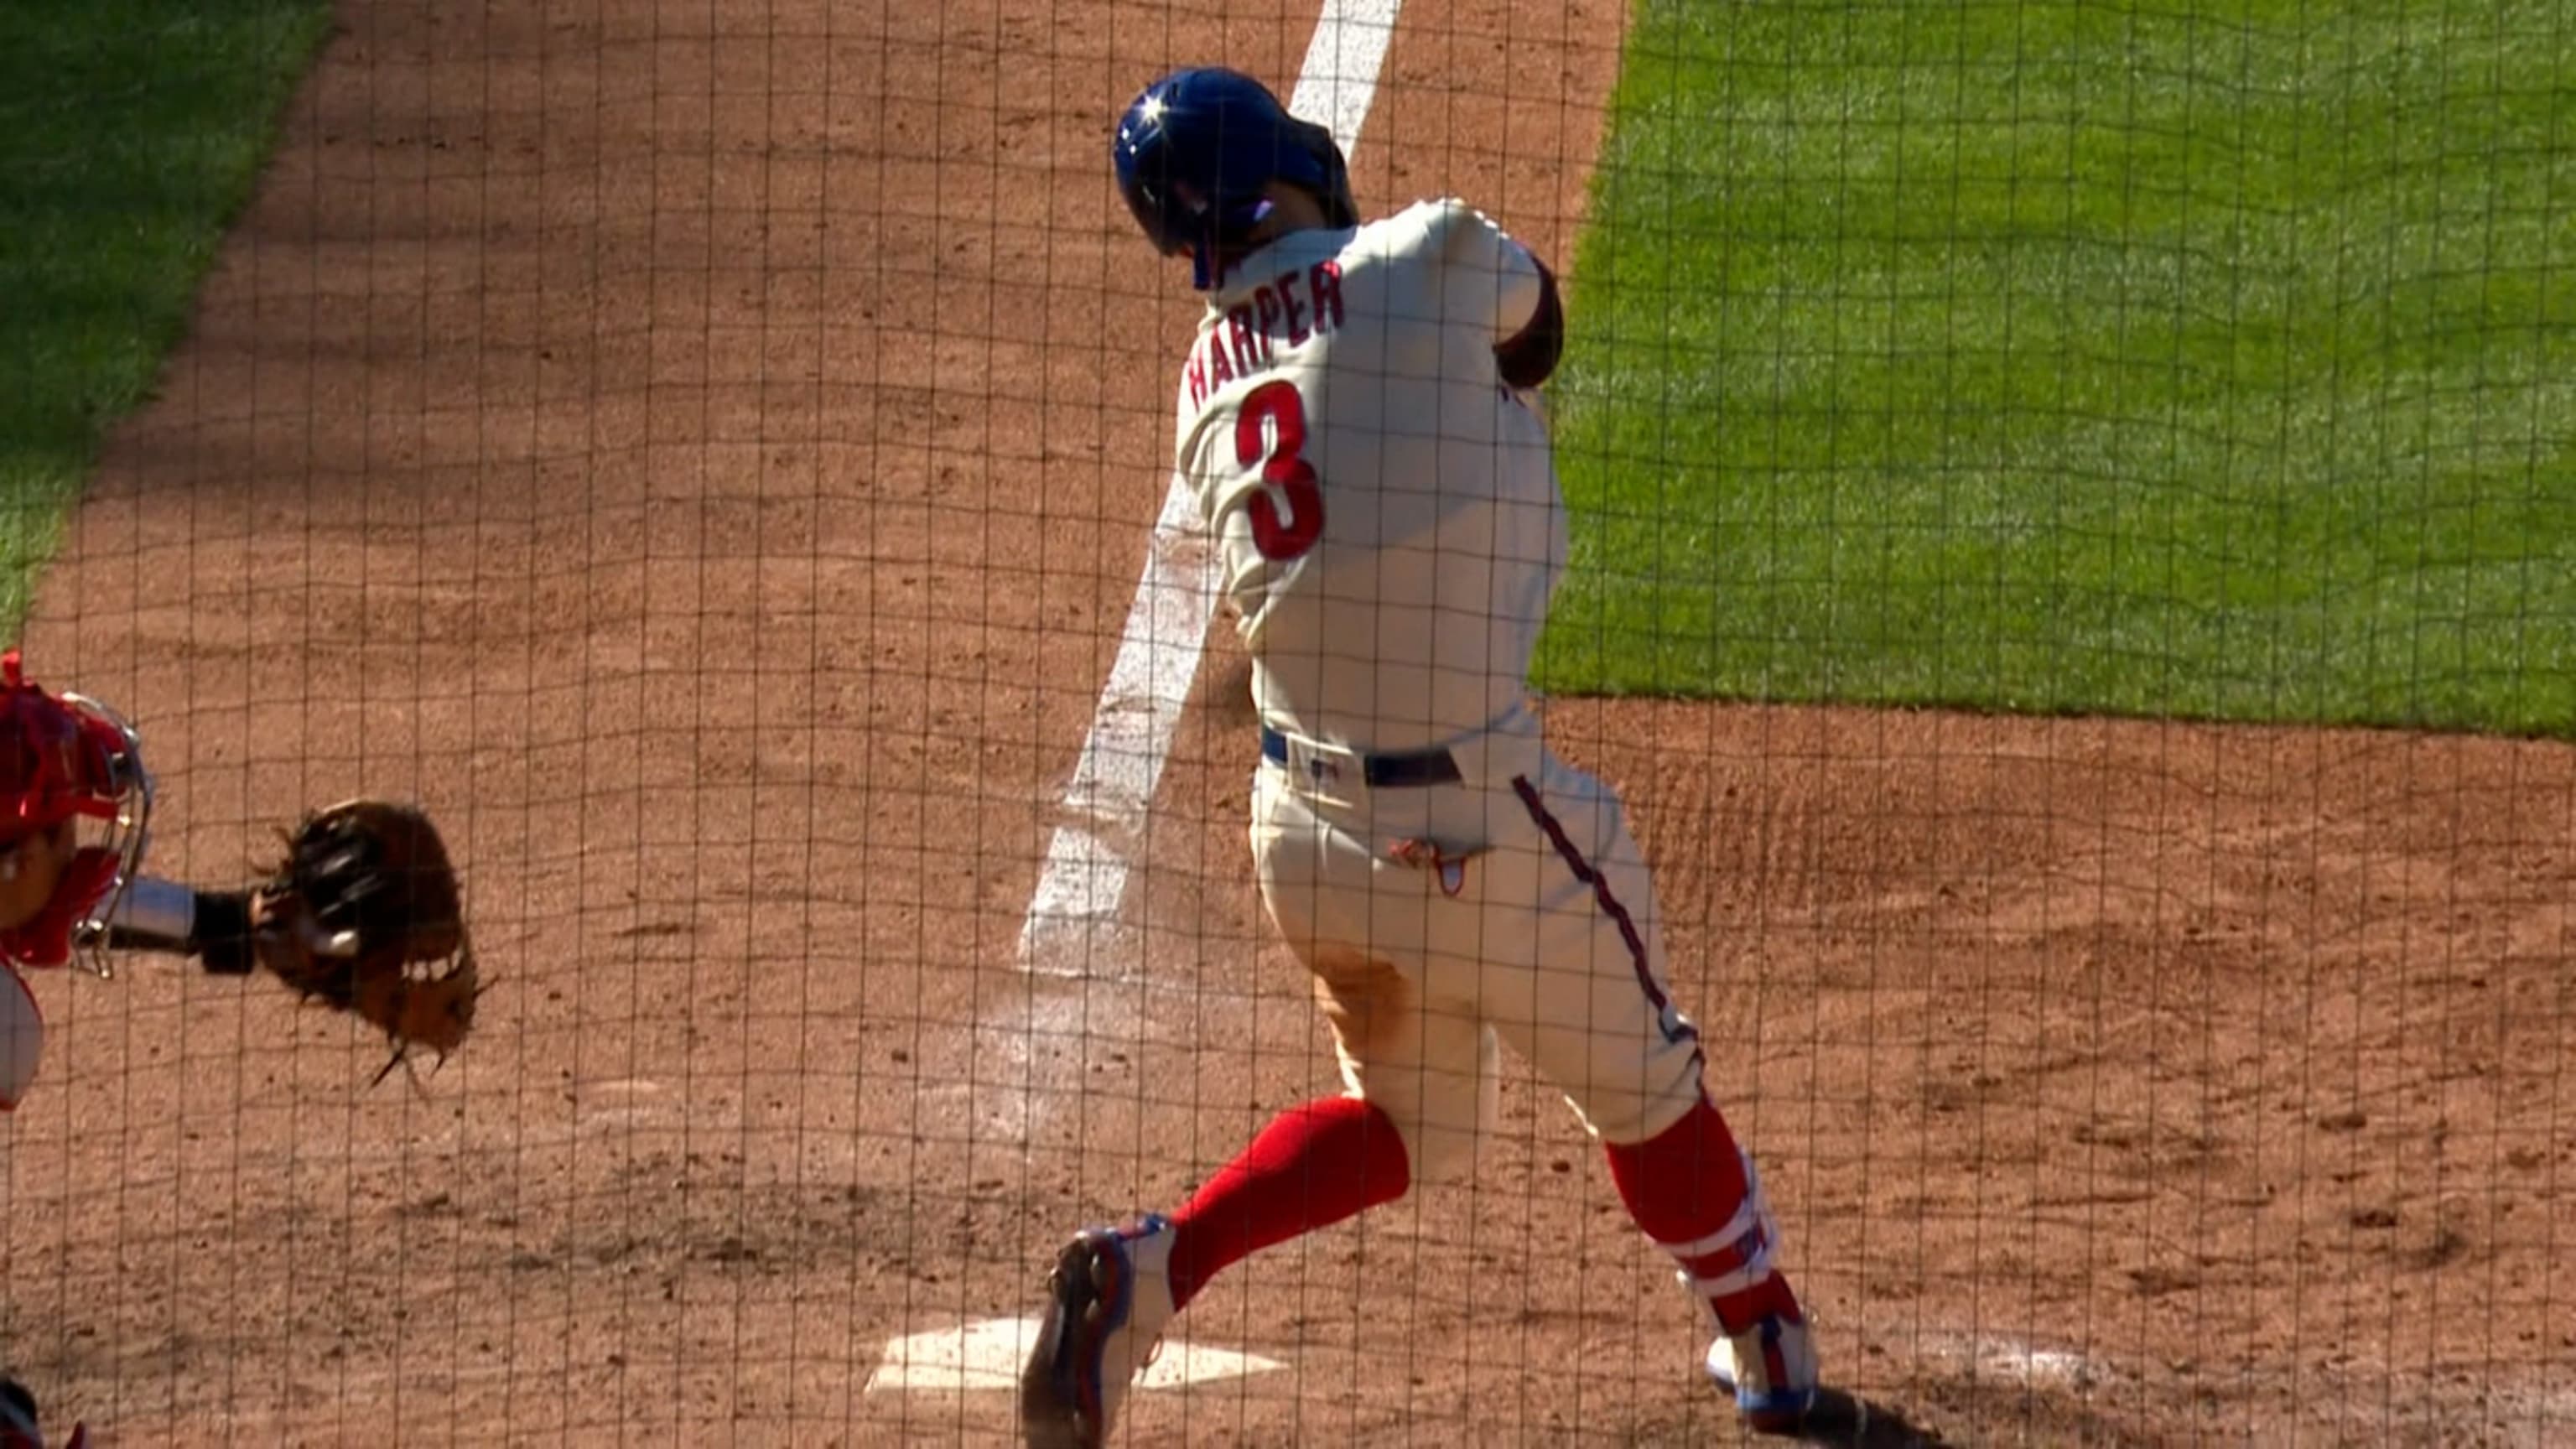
x: 2215, y: 361
x: 130, y: 133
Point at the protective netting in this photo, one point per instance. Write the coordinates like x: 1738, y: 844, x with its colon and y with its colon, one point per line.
x: 2072, y: 574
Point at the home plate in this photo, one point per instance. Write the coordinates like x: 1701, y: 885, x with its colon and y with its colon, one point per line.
x: 988, y: 1355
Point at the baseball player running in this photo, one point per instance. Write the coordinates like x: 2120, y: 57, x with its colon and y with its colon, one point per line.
x: 1353, y: 419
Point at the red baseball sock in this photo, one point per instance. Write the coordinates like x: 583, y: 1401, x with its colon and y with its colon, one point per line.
x: 1687, y: 1189
x: 1311, y: 1167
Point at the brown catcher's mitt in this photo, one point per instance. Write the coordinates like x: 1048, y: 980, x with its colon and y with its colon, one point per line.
x: 364, y: 916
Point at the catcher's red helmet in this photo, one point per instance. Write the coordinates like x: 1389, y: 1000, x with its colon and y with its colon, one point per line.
x: 57, y: 760
x: 66, y: 758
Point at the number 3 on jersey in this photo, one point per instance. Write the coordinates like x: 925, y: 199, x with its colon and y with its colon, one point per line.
x: 1289, y: 480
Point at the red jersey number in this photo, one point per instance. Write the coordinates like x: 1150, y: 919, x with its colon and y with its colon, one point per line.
x: 1288, y: 515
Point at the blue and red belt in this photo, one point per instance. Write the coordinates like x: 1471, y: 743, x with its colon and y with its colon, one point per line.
x: 1409, y: 770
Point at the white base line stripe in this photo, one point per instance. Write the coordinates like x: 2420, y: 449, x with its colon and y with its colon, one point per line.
x: 1131, y: 736
x: 1338, y: 81
x: 1084, y: 882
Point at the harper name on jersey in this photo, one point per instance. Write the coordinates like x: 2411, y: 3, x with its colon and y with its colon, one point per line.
x: 1289, y: 308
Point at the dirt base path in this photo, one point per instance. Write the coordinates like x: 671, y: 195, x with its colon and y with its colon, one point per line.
x: 705, y: 454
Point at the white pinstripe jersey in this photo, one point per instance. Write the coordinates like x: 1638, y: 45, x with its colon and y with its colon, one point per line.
x: 1388, y: 512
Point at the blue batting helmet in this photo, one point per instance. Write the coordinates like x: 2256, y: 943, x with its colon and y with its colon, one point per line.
x: 1197, y: 150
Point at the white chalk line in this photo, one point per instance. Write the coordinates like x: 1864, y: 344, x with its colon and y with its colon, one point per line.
x: 1075, y: 928
x: 2422, y: 1395
x: 1121, y: 765
x: 2013, y: 1360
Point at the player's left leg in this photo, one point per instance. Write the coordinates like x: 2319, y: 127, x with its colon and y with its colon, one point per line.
x: 1419, y: 1078
x: 1597, y: 1017
x: 1115, y: 1289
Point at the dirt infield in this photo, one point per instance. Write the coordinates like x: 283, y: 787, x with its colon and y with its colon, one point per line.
x: 680, y: 446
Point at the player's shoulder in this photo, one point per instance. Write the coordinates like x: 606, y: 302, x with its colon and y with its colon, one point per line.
x: 1429, y: 226
x: 1430, y: 216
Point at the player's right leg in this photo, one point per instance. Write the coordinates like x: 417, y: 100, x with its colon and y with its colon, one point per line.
x: 1576, y: 981
x: 1418, y: 1082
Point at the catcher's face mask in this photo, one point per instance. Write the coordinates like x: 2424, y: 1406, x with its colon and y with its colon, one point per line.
x: 70, y: 758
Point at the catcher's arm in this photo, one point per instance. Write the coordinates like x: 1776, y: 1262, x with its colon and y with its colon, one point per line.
x: 179, y: 920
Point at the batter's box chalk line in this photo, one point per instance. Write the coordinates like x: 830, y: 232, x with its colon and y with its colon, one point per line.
x: 2012, y: 1359
x: 2429, y: 1395
x: 987, y: 1356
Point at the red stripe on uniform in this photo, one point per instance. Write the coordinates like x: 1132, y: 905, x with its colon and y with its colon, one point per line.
x: 1601, y: 895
